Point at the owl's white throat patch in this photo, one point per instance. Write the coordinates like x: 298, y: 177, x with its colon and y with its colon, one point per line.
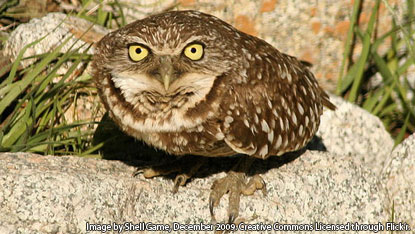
x: 162, y: 111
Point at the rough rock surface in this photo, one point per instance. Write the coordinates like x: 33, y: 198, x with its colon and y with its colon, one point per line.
x: 355, y: 132
x: 398, y: 178
x: 56, y: 28
x: 60, y: 194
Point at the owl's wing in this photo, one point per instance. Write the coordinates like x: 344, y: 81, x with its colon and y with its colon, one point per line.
x: 276, y: 111
x: 250, y: 128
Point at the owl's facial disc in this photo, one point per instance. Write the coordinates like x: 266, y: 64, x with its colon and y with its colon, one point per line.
x: 165, y: 82
x: 163, y: 111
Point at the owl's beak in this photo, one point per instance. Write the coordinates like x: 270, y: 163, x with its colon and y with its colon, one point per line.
x: 166, y: 81
x: 166, y: 71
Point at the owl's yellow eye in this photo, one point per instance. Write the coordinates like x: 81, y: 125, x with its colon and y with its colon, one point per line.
x: 137, y: 52
x: 194, y: 51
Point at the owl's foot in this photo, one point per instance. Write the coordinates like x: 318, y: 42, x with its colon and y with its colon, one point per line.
x: 234, y: 184
x: 185, y: 168
x: 182, y: 178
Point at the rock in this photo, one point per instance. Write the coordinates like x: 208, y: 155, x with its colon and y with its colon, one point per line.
x: 58, y: 27
x: 353, y: 131
x: 398, y: 179
x: 60, y: 194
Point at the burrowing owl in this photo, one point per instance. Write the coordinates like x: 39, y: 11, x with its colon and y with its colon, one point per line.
x: 189, y: 83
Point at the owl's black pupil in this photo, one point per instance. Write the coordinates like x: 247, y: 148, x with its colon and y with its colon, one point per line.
x: 138, y: 50
x: 193, y: 50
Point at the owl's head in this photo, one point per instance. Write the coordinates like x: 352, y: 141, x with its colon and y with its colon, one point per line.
x: 164, y: 66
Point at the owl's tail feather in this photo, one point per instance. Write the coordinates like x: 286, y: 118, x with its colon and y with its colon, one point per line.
x: 326, y: 101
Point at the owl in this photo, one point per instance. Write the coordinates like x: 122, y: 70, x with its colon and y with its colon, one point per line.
x: 189, y: 83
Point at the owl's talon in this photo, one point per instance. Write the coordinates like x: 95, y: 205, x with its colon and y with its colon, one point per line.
x: 137, y: 172
x: 255, y: 183
x: 218, y: 189
x: 180, y: 180
x: 212, y: 215
x: 140, y: 170
x: 150, y: 173
x: 234, y: 184
x: 163, y: 169
x: 232, y: 218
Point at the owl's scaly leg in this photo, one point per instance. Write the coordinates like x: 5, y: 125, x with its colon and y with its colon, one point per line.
x: 234, y: 184
x: 185, y: 167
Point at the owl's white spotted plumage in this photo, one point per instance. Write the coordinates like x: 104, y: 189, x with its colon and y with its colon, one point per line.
x: 189, y: 83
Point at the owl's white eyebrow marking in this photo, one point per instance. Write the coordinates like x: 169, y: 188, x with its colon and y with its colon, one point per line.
x: 167, y: 49
x: 134, y: 39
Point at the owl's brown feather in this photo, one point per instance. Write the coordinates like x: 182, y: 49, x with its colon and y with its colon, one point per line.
x: 242, y: 96
x: 280, y: 110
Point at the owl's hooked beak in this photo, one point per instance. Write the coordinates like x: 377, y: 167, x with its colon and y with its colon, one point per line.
x: 166, y: 71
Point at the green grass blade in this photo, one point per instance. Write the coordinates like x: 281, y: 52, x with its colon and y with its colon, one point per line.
x: 404, y: 67
x: 29, y: 77
x: 364, y: 56
x: 372, y: 100
x: 388, y: 110
x: 123, y: 20
x: 16, y: 62
x: 348, y: 78
x: 383, y: 69
x: 401, y: 135
x: 348, y: 43
x: 18, y: 128
x: 385, y: 98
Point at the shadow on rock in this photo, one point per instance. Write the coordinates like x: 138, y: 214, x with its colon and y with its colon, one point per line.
x: 119, y: 146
